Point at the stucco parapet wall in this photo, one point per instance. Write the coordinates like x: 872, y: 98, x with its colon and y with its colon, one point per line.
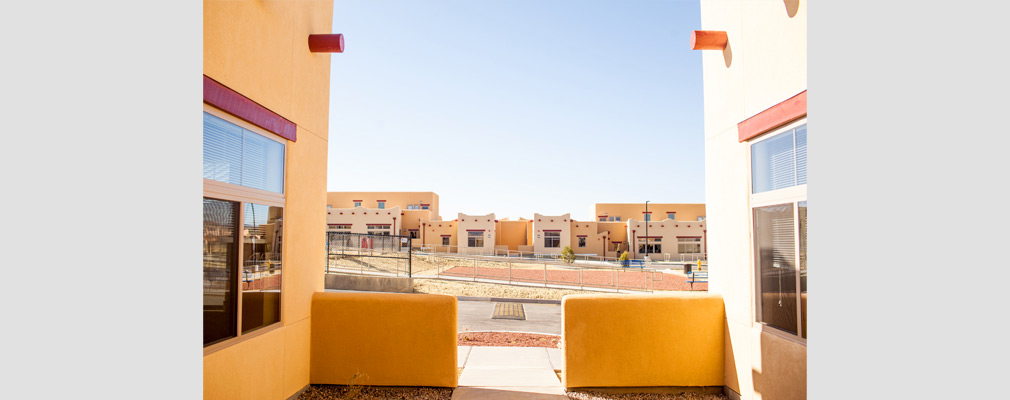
x: 612, y: 340
x: 387, y: 339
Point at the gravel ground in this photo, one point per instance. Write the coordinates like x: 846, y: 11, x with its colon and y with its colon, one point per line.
x: 330, y: 392
x: 591, y: 395
x: 509, y: 339
x: 457, y: 288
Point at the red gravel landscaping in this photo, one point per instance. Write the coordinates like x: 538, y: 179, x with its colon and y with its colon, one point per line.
x: 630, y: 279
x: 509, y: 339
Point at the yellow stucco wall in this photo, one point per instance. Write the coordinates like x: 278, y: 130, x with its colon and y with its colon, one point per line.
x: 390, y: 339
x: 595, y: 240
x: 643, y: 340
x: 511, y: 234
x: 433, y: 231
x: 259, y: 49
x: 685, y: 211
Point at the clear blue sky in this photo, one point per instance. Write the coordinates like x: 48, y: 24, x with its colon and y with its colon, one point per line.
x: 516, y: 107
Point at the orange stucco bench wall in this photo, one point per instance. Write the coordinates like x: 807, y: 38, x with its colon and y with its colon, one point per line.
x: 388, y: 339
x: 643, y: 340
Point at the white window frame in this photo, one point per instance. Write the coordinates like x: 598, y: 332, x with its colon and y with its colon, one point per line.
x: 243, y: 194
x: 552, y: 235
x: 470, y: 235
x: 793, y: 195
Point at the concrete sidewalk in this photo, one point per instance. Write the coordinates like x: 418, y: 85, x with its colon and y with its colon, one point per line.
x: 509, y: 373
x: 540, y: 318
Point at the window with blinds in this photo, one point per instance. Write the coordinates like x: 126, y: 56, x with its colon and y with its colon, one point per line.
x: 780, y: 161
x: 235, y: 155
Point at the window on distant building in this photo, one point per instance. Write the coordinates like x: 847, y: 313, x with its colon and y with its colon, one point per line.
x: 445, y: 240
x: 378, y: 229
x: 382, y: 205
x: 582, y: 242
x: 688, y: 245
x: 552, y: 239
x: 701, y: 218
x: 671, y: 215
x: 779, y: 208
x: 617, y: 246
x: 650, y: 245
x: 617, y: 218
x: 474, y: 239
x: 413, y: 234
x: 242, y: 229
x: 342, y: 228
x: 603, y: 219
x: 648, y: 217
x: 357, y: 204
x: 424, y: 206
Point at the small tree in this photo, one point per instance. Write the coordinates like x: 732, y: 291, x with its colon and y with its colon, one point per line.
x: 567, y: 255
x: 623, y: 259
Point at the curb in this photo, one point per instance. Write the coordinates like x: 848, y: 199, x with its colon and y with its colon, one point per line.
x: 504, y: 299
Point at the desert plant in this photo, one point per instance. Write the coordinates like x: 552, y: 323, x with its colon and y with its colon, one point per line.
x: 567, y: 255
x: 624, y: 256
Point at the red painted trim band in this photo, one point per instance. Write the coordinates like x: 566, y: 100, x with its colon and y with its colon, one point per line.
x: 380, y: 201
x: 377, y: 224
x: 649, y: 237
x: 475, y: 230
x: 688, y: 237
x: 581, y: 235
x: 357, y: 200
x: 775, y: 116
x: 223, y: 97
x: 552, y: 230
x: 446, y: 235
x: 646, y: 212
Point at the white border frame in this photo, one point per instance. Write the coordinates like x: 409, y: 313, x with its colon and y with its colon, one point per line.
x: 790, y: 195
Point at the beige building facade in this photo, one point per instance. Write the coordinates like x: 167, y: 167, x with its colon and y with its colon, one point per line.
x: 476, y: 234
x: 542, y: 234
x: 667, y: 240
x: 618, y: 212
x: 755, y: 82
x: 364, y: 220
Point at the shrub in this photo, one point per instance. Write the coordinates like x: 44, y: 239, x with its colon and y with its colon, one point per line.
x: 624, y: 256
x: 567, y: 255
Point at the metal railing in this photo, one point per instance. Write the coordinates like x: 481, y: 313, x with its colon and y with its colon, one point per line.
x: 377, y: 254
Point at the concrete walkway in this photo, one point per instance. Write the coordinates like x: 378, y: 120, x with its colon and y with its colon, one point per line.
x: 509, y: 373
x: 540, y: 318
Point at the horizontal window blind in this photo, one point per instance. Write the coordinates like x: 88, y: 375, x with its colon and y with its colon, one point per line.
x: 241, y: 157
x: 780, y: 161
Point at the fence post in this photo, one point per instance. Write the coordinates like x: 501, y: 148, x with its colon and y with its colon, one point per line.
x: 545, y: 274
x: 410, y: 259
x: 510, y: 272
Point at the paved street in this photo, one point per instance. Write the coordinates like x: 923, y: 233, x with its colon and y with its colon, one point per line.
x: 540, y: 318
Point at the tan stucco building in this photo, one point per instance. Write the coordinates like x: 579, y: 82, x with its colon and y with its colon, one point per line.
x: 414, y: 214
x: 754, y: 55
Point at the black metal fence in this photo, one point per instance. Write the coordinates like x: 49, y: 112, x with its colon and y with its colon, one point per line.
x: 359, y: 252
